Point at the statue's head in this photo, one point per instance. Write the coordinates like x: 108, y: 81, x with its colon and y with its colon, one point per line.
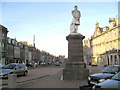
x: 76, y: 7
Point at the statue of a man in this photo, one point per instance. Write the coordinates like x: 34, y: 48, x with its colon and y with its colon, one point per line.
x: 75, y: 21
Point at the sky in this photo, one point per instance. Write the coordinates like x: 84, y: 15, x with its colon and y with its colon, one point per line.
x: 50, y: 21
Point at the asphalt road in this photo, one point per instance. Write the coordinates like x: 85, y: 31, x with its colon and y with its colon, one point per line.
x: 48, y: 77
x: 35, y: 73
x: 53, y: 80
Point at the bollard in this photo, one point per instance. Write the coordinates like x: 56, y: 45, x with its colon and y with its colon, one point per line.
x: 12, y: 80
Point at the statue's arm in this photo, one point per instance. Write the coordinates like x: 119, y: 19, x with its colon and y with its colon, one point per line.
x: 79, y: 14
x: 73, y: 14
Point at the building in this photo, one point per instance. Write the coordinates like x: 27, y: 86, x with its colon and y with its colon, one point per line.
x: 87, y: 51
x: 26, y: 54
x: 22, y: 52
x: 61, y: 58
x: 30, y: 53
x: 3, y: 44
x: 10, y: 50
x: 106, y: 43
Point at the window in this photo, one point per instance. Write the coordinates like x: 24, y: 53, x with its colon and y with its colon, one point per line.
x: 3, y: 34
x: 13, y: 41
x: 17, y: 67
x: 9, y: 40
x: 2, y: 44
x: 9, y: 66
x: 16, y: 43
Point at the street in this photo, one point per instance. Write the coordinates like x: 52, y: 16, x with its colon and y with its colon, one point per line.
x: 35, y: 74
x: 48, y: 77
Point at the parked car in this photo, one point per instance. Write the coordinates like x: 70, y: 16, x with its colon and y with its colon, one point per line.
x: 13, y: 68
x: 43, y: 63
x: 2, y: 65
x: 49, y: 63
x: 32, y: 64
x: 107, y: 73
x: 57, y: 64
x: 111, y: 84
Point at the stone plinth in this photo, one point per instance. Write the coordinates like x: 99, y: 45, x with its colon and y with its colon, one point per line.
x: 75, y: 68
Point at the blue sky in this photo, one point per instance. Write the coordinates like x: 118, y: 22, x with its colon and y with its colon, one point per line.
x: 50, y: 21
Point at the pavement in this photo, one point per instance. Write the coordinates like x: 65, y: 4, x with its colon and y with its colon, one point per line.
x: 53, y: 80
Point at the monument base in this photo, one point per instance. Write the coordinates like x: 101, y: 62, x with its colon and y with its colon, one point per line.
x: 75, y: 71
x: 75, y: 68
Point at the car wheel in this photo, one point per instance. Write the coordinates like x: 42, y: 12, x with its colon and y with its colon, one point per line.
x: 25, y: 73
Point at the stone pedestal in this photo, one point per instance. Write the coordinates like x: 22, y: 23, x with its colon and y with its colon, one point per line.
x: 75, y: 68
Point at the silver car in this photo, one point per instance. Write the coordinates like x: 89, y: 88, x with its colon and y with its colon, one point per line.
x: 13, y: 68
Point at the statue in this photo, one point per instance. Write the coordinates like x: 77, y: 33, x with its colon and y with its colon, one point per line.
x: 75, y: 21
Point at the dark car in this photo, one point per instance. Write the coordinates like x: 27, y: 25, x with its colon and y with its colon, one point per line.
x: 111, y: 84
x: 13, y: 68
x: 107, y: 73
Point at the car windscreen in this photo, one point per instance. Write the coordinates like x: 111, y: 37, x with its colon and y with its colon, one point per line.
x: 116, y: 77
x: 110, y: 69
x: 9, y: 66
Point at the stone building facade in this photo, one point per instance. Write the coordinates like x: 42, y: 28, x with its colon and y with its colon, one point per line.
x: 22, y: 52
x: 106, y: 43
x: 87, y: 51
x: 13, y: 51
x: 10, y: 50
x: 3, y: 44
